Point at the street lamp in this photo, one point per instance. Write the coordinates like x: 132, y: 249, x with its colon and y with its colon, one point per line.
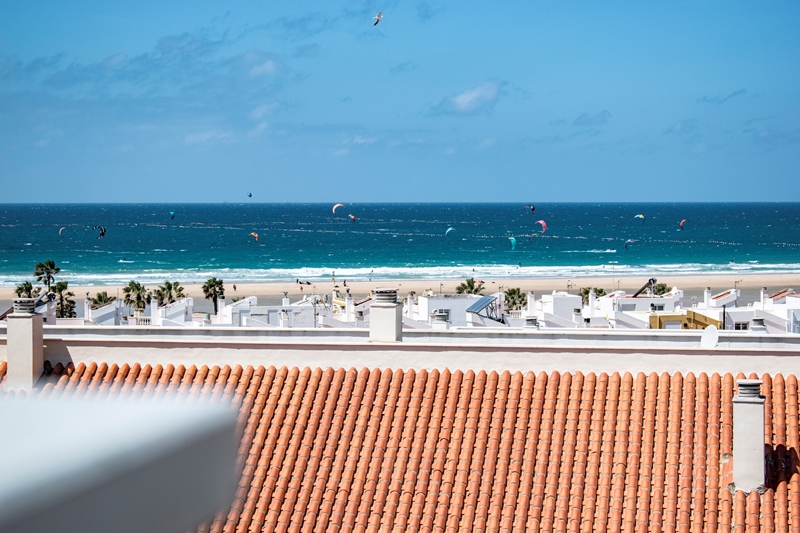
x: 736, y: 284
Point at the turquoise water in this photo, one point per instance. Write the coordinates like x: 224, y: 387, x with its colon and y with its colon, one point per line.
x: 394, y: 241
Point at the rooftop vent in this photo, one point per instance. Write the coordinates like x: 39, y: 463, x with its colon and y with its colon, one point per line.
x: 24, y: 305
x: 386, y: 295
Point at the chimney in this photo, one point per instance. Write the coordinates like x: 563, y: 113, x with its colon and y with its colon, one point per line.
x: 531, y: 303
x: 762, y: 296
x: 592, y: 302
x: 386, y: 317
x: 410, y: 311
x: 349, y: 308
x: 707, y: 297
x: 285, y: 300
x: 24, y: 346
x: 748, y: 436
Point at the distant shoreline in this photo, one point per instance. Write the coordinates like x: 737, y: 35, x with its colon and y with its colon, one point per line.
x: 272, y: 292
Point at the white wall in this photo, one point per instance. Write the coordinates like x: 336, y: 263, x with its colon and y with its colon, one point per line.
x: 478, y: 348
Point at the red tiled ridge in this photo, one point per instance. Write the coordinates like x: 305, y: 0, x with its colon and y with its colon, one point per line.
x: 381, y: 450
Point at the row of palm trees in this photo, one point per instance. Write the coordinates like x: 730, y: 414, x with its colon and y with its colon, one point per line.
x: 135, y: 294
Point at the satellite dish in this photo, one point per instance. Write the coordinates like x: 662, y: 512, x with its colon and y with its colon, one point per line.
x: 709, y: 338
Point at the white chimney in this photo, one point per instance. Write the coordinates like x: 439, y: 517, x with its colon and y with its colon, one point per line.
x: 24, y: 346
x: 386, y: 317
x: 707, y: 297
x: 411, y: 300
x: 531, y: 303
x: 285, y: 300
x: 349, y: 309
x: 762, y: 296
x: 592, y: 300
x: 748, y: 436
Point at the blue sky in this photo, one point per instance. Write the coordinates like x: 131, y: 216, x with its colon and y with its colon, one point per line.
x: 441, y: 101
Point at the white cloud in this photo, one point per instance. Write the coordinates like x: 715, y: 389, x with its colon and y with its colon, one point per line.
x: 479, y: 98
x: 472, y: 99
x: 259, y: 129
x: 206, y: 136
x: 358, y: 139
x: 261, y: 111
x: 268, y: 67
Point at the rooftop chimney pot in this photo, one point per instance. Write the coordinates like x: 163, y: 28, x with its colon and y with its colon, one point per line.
x: 748, y: 436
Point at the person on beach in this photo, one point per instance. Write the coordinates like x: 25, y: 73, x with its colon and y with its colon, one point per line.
x: 234, y: 287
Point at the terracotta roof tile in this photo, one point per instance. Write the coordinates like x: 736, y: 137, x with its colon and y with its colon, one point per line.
x: 371, y: 450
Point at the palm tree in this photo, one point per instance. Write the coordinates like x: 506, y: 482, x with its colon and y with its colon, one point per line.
x: 585, y: 293
x: 516, y: 299
x: 136, y: 295
x: 102, y: 298
x: 168, y: 292
x: 46, y: 272
x: 27, y: 290
x: 65, y: 305
x: 213, y: 289
x: 470, y: 287
x: 660, y: 288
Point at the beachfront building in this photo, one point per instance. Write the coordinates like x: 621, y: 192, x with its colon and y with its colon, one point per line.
x: 444, y: 311
x: 784, y: 305
x: 468, y: 429
x: 770, y: 314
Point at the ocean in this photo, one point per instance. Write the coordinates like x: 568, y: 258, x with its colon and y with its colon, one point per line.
x: 144, y: 242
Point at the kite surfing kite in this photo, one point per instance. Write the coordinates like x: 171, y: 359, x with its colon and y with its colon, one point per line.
x: 62, y: 229
x: 628, y: 242
x: 639, y: 216
x: 680, y: 226
x: 446, y: 233
x: 249, y: 195
x: 352, y: 218
x: 337, y: 206
x: 254, y: 235
x: 172, y: 215
x: 543, y: 223
x: 102, y: 231
x: 513, y: 243
x: 531, y: 207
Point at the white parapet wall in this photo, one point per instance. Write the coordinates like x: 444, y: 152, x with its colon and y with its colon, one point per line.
x: 488, y: 349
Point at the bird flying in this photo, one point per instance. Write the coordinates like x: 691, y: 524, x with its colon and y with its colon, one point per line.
x: 377, y: 18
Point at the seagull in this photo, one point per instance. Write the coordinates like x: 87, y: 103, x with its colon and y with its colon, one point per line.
x: 378, y: 18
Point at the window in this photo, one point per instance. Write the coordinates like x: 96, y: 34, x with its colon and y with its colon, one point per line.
x: 741, y: 326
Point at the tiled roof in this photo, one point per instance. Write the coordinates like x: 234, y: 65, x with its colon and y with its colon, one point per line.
x: 371, y: 450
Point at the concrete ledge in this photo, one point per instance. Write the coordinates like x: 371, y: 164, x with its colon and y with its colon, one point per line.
x: 475, y: 348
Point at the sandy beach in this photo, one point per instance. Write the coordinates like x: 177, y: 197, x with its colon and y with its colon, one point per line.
x: 271, y: 293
